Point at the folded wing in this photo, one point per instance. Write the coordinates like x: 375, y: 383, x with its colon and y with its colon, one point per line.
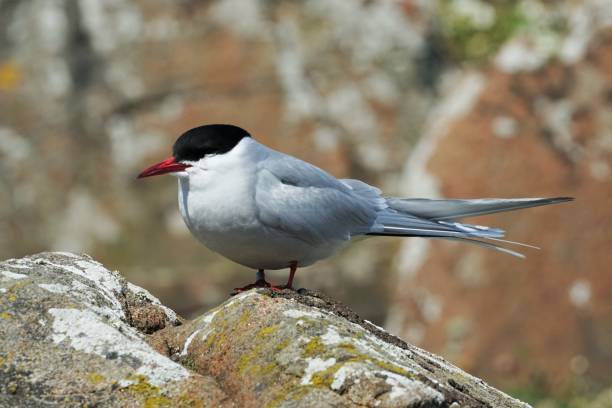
x: 454, y: 209
x: 306, y: 203
x: 309, y: 204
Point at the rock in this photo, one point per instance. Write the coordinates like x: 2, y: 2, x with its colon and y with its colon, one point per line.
x: 538, y: 131
x: 74, y: 333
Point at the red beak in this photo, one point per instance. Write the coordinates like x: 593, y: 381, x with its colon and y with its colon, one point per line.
x: 170, y: 165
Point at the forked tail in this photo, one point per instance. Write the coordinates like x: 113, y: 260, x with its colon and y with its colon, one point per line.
x: 419, y: 217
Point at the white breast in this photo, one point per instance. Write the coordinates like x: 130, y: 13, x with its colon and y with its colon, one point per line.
x: 217, y: 195
x: 217, y: 203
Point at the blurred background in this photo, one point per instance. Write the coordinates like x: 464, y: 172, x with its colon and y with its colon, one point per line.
x: 446, y: 98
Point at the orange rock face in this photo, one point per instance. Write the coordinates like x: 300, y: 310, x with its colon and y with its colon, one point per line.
x: 546, y: 132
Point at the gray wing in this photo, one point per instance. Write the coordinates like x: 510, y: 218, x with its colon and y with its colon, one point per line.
x: 453, y: 209
x: 305, y: 202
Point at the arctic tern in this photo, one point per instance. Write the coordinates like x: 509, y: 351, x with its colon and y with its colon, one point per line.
x: 267, y: 210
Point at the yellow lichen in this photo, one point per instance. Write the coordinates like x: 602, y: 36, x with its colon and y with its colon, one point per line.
x: 96, y: 378
x: 140, y: 384
x: 210, y: 339
x: 348, y: 347
x: 314, y: 347
x: 5, y: 315
x: 267, y: 369
x: 283, y: 344
x: 393, y: 368
x: 246, y: 362
x: 251, y: 362
x: 245, y: 317
x: 10, y: 293
x: 266, y: 331
x: 282, y: 395
x: 326, y: 377
x: 157, y: 402
x: 219, y: 340
x: 150, y: 394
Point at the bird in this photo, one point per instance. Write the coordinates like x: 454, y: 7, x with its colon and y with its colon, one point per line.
x: 268, y: 210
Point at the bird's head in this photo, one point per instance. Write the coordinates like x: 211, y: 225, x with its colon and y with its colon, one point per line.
x: 194, y: 146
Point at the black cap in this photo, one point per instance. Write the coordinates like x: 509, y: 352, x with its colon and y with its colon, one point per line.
x: 207, y: 140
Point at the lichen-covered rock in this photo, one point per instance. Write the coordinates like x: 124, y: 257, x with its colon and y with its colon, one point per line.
x: 303, y: 349
x: 73, y: 333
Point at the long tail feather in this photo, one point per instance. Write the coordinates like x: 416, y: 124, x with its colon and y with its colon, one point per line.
x: 506, y: 241
x: 439, y: 210
x: 437, y: 219
x: 487, y: 245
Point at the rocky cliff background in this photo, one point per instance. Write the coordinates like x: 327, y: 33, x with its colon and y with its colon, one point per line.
x: 461, y: 98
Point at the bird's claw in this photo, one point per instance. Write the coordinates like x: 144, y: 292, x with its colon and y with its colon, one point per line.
x: 261, y: 283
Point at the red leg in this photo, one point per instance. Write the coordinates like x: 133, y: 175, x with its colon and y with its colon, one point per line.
x: 289, y: 284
